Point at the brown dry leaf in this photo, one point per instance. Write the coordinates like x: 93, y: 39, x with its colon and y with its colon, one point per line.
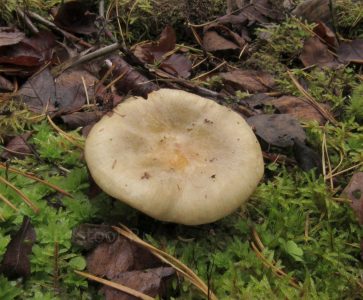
x: 73, y: 16
x: 5, y: 85
x: 316, y: 53
x: 150, y: 282
x: 81, y: 119
x: 17, y: 147
x: 278, y: 130
x: 326, y: 34
x: 248, y: 80
x: 354, y: 191
x: 16, y: 262
x: 130, y: 80
x: 298, y: 108
x: 29, y: 52
x: 10, y: 36
x: 351, y: 51
x: 221, y: 38
x: 313, y: 10
x: 111, y: 259
x: 177, y: 65
x: 38, y: 92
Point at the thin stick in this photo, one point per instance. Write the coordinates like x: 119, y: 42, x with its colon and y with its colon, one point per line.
x: 51, y: 25
x: 167, y: 258
x: 7, y: 202
x: 115, y: 285
x: 72, y: 62
x: 327, y: 115
x: 209, y: 72
x: 31, y: 176
x: 21, y: 194
x: 85, y: 89
x: 27, y: 21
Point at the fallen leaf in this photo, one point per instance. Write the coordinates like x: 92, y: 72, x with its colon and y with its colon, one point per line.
x: 306, y: 158
x: 278, y: 130
x: 315, y: 52
x: 313, y: 10
x: 71, y: 88
x: 110, y: 259
x: 29, y: 52
x: 326, y: 34
x: 5, y: 85
x: 354, y: 192
x: 130, y: 80
x: 41, y: 94
x: 81, y: 119
x: 150, y: 282
x: 177, y: 65
x: 298, y: 108
x: 38, y: 92
x: 17, y: 147
x: 221, y: 38
x: 10, y: 36
x: 73, y: 16
x: 16, y: 262
x: 248, y: 80
x: 351, y: 51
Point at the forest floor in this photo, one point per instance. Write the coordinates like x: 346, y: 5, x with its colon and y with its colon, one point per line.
x: 293, y: 71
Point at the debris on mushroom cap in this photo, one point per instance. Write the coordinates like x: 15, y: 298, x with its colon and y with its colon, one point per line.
x: 176, y: 156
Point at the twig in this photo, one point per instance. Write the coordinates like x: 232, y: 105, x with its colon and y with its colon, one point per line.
x: 8, y: 203
x: 170, y: 260
x: 84, y: 58
x: 51, y: 25
x: 21, y: 194
x: 31, y: 176
x: 115, y: 285
x: 327, y: 115
x: 27, y: 21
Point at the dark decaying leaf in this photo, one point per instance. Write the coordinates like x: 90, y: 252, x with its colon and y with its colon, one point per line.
x: 278, y: 130
x: 16, y: 262
x: 42, y: 94
x: 111, y: 259
x: 71, y: 91
x: 73, y: 16
x: 38, y: 93
x: 130, y: 80
x: 221, y: 38
x: 10, y: 36
x: 81, y: 119
x: 326, y: 34
x: 316, y: 53
x: 351, y: 51
x: 354, y: 191
x: 5, y: 85
x: 298, y: 108
x: 150, y: 282
x: 306, y: 157
x: 248, y: 80
x: 153, y: 53
x: 88, y: 236
x: 29, y: 52
x: 17, y: 147
x: 314, y: 10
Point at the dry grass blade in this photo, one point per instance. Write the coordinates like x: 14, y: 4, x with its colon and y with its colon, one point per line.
x: 272, y: 265
x: 33, y: 177
x: 7, y: 202
x: 21, y: 194
x: 115, y: 285
x: 167, y: 258
x: 74, y: 141
x: 327, y: 115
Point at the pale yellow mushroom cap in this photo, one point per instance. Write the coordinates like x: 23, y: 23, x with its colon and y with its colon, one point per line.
x: 176, y: 156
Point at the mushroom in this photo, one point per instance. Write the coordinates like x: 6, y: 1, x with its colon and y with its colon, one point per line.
x: 176, y: 157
